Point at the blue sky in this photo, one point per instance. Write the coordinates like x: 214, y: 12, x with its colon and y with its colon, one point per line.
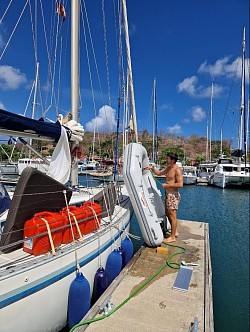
x: 184, y: 44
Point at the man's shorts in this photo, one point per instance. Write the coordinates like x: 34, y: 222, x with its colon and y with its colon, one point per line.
x: 172, y: 201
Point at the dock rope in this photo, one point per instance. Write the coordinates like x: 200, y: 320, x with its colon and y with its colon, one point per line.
x: 169, y: 263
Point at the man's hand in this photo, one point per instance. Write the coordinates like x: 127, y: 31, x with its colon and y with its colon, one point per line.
x: 165, y: 185
x: 148, y: 168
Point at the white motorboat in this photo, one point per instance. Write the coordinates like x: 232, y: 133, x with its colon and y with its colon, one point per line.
x: 228, y: 173
x: 37, y: 163
x: 7, y: 169
x: 189, y: 174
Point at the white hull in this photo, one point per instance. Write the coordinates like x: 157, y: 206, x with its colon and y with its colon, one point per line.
x: 229, y: 174
x: 37, y: 163
x: 189, y: 174
x: 144, y: 194
x: 8, y: 169
x: 226, y: 179
x: 34, y: 289
x: 189, y: 179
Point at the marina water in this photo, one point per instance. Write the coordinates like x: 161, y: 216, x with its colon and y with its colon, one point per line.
x: 227, y: 213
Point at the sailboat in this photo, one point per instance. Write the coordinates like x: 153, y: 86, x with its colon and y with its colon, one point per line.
x: 206, y: 169
x: 227, y: 173
x: 55, y: 237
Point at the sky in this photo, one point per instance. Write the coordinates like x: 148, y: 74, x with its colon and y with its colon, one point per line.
x: 184, y: 44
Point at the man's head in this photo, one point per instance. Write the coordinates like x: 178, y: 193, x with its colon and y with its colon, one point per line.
x: 172, y: 157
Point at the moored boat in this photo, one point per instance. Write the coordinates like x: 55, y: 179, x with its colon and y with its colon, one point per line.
x: 189, y: 174
x: 52, y: 235
x: 229, y: 173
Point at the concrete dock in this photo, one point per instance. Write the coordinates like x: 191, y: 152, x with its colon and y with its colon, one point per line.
x: 157, y: 306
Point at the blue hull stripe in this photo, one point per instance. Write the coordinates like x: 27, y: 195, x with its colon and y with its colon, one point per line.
x: 59, y: 276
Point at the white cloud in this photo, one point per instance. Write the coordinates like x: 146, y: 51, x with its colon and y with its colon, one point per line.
x: 104, y: 122
x: 2, y: 105
x: 176, y: 129
x: 224, y: 68
x: 11, y: 78
x: 166, y: 107
x: 198, y: 114
x: 190, y: 86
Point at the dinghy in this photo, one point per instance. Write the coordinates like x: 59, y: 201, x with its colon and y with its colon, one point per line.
x: 144, y: 195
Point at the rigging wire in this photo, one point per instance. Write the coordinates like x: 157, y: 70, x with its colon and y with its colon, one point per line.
x: 13, y: 31
x: 6, y: 10
x: 106, y: 51
x: 230, y: 93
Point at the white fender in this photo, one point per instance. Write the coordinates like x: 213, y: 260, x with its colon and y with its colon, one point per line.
x: 144, y: 194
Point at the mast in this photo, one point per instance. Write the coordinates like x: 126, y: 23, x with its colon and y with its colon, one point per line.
x: 221, y: 151
x: 34, y: 102
x: 131, y: 87
x: 242, y: 103
x: 74, y: 77
x: 211, y: 121
x: 207, y: 144
x: 155, y: 143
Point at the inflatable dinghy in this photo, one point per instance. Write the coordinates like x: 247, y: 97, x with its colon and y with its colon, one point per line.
x: 145, y: 197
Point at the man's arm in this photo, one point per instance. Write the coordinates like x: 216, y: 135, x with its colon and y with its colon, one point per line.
x: 179, y: 178
x: 156, y: 171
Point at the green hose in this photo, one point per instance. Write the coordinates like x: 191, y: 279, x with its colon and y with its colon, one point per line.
x: 173, y: 265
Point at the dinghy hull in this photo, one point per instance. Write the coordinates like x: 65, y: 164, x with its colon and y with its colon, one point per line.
x: 144, y: 194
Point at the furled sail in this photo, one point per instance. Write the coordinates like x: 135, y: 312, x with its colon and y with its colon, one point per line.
x: 12, y: 124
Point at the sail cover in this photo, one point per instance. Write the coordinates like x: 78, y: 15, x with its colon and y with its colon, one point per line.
x: 17, y: 125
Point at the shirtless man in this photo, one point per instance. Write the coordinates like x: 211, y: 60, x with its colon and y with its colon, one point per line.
x: 174, y: 181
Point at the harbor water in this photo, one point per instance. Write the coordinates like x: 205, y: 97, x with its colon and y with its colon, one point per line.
x: 227, y: 212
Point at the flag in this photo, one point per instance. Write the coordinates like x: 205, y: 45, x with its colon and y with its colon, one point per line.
x: 61, y: 10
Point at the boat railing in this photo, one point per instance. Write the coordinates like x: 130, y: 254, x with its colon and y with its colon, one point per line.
x: 5, y: 248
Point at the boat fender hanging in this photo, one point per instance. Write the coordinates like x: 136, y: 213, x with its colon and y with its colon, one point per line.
x: 113, y: 265
x: 78, y: 300
x: 100, y: 284
x: 122, y: 253
x: 128, y: 247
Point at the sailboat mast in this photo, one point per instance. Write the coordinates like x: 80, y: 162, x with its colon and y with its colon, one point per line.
x: 75, y: 4
x: 34, y: 101
x: 131, y: 87
x: 221, y: 151
x: 211, y: 121
x: 207, y: 159
x: 154, y: 148
x: 242, y: 104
